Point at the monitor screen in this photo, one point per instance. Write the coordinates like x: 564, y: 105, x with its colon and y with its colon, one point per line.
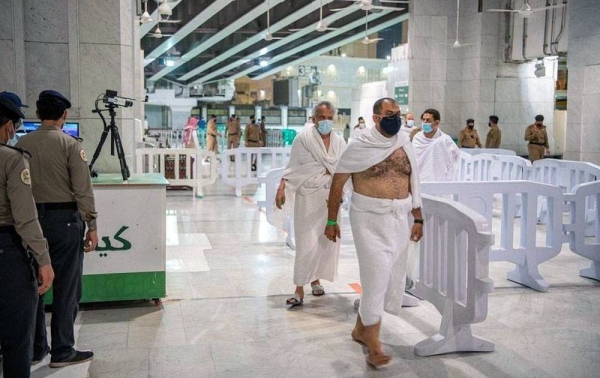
x: 71, y: 128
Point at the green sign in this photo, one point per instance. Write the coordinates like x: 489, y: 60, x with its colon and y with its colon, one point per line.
x: 401, y: 95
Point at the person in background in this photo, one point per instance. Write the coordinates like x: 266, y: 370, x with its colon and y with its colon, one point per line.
x: 309, y: 123
x: 537, y: 136
x: 408, y: 127
x: 347, y: 132
x: 188, y: 130
x: 494, y: 136
x: 252, y: 135
x: 468, y: 137
x: 233, y: 132
x: 437, y: 154
x: 19, y: 227
x: 16, y: 100
x: 212, y: 143
x: 360, y: 127
x: 263, y: 131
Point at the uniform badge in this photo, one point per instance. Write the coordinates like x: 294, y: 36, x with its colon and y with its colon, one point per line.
x: 82, y: 155
x: 26, y: 177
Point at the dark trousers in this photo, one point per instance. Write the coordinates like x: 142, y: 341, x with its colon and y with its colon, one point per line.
x: 18, y: 300
x: 64, y: 230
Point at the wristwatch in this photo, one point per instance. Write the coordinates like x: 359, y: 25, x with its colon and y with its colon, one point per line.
x: 419, y: 221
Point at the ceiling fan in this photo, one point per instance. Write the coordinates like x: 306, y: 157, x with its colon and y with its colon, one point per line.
x: 366, y: 40
x: 269, y: 36
x: 145, y: 16
x: 321, y: 25
x: 527, y: 10
x: 368, y: 5
x: 158, y: 33
x: 457, y: 43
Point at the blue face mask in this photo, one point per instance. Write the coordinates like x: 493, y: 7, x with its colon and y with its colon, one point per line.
x: 325, y: 126
x: 427, y: 127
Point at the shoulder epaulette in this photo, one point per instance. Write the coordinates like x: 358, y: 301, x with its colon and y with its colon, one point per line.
x: 74, y: 137
x: 20, y: 150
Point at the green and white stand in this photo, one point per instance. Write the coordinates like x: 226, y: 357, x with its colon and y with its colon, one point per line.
x: 130, y: 260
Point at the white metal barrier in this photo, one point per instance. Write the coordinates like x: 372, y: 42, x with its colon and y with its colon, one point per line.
x: 565, y: 174
x: 239, y: 173
x: 454, y: 275
x: 529, y: 253
x: 493, y: 151
x: 585, y: 199
x: 181, y: 167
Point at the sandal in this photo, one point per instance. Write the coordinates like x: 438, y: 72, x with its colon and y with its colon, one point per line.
x: 294, y: 301
x: 317, y: 290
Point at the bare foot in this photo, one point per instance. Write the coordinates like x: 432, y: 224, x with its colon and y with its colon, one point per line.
x: 377, y: 358
x: 358, y: 337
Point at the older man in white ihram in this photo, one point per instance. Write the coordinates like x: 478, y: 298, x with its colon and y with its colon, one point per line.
x: 306, y: 181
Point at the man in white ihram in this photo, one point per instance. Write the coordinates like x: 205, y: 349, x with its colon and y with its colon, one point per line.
x: 437, y: 154
x: 306, y: 181
x: 386, y: 189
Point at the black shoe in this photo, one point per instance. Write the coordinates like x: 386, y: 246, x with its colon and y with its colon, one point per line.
x: 78, y: 358
x: 39, y: 358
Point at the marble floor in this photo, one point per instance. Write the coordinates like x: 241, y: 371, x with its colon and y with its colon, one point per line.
x: 229, y: 273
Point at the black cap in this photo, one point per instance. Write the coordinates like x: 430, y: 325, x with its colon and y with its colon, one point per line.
x: 13, y: 98
x: 54, y: 94
x: 9, y: 110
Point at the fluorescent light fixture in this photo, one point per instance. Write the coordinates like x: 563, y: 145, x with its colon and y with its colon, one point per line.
x: 263, y: 63
x: 169, y: 62
x: 388, y: 57
x: 264, y: 50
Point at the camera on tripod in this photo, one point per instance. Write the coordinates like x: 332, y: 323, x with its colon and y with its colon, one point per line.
x: 111, y: 97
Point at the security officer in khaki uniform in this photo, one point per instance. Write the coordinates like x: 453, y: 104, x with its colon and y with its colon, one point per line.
x: 233, y: 132
x: 494, y: 136
x: 263, y: 131
x: 19, y: 227
x: 252, y: 135
x: 537, y: 136
x: 468, y: 137
x: 62, y: 189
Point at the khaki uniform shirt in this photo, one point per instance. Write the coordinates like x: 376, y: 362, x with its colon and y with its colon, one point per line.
x: 468, y: 138
x: 17, y: 207
x: 494, y: 137
x: 211, y: 129
x: 253, y: 135
x: 59, y: 171
x: 537, y: 136
x: 233, y: 128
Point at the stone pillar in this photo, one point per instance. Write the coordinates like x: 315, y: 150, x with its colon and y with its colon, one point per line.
x: 583, y: 93
x: 79, y: 48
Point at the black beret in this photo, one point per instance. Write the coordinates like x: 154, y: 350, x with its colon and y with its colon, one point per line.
x: 9, y: 110
x: 54, y: 94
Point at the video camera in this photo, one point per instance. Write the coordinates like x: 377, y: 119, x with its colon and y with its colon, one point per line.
x: 111, y: 97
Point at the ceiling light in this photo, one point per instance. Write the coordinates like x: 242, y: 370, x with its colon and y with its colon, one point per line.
x: 263, y: 63
x: 343, y: 55
x: 169, y: 62
x: 388, y: 57
x: 264, y: 50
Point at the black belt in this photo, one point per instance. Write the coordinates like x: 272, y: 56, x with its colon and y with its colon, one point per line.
x: 538, y: 144
x: 56, y: 206
x: 214, y: 136
x: 230, y: 134
x: 8, y: 230
x: 253, y: 141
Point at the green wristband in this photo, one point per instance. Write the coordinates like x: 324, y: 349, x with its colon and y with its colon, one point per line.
x: 331, y: 223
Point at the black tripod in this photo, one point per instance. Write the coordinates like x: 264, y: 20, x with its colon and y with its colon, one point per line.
x: 115, y: 141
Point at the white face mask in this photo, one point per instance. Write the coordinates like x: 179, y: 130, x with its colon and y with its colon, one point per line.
x: 361, y: 125
x: 10, y: 140
x: 410, y: 123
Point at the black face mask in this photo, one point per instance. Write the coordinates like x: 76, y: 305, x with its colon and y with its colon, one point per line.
x: 391, y: 125
x: 253, y: 121
x: 471, y: 126
x: 489, y: 124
